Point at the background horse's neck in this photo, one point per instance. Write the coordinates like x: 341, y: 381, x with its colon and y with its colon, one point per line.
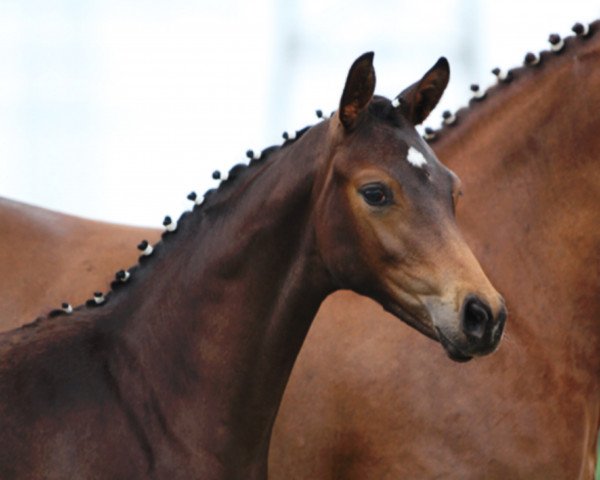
x: 527, y: 156
x: 211, y: 324
x: 539, y: 191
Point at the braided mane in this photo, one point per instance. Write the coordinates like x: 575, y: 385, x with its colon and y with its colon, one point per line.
x: 531, y: 64
x: 450, y: 121
x: 209, y: 198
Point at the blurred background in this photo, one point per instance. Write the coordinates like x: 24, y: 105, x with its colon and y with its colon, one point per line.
x: 115, y: 110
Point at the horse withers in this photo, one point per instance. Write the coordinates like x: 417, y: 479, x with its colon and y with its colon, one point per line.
x: 48, y: 258
x: 179, y: 370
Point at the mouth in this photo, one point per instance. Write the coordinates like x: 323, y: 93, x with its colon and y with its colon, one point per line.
x: 453, y: 352
x: 419, y: 324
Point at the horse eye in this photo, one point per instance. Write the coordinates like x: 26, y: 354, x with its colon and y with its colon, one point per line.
x: 376, y: 195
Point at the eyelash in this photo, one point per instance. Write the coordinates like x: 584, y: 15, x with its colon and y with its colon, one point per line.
x: 376, y: 195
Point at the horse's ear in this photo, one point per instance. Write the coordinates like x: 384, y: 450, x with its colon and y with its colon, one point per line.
x: 418, y: 100
x: 358, y: 91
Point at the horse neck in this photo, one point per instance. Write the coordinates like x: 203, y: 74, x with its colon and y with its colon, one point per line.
x: 527, y: 155
x: 213, y: 324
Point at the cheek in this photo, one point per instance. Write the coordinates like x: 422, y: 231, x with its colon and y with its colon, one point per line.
x: 383, y: 234
x: 405, y: 250
x: 341, y: 242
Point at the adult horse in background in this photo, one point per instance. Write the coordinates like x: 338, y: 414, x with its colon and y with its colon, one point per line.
x: 47, y: 258
x: 528, y: 154
x: 178, y: 371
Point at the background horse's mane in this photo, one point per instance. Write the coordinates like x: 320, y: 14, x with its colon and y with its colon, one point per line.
x: 532, y: 64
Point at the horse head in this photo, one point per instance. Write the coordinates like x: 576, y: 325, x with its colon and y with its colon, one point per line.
x: 386, y: 216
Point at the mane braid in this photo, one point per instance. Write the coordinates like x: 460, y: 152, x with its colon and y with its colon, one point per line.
x: 210, y: 197
x: 582, y: 33
x: 505, y: 78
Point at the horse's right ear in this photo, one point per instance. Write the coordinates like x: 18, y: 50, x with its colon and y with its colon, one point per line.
x: 358, y: 91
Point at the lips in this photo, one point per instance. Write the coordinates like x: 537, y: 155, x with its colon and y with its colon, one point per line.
x: 453, y: 352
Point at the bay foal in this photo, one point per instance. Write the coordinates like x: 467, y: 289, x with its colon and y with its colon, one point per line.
x: 178, y: 372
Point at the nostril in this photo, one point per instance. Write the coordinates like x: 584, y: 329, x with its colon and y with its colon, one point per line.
x: 476, y: 318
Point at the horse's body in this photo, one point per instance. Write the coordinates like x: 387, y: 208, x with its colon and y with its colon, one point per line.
x: 179, y: 370
x: 529, y: 155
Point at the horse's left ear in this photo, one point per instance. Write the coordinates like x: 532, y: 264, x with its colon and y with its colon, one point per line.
x: 418, y: 100
x: 358, y: 91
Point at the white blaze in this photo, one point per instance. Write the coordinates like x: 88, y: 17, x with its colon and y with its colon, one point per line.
x: 415, y: 158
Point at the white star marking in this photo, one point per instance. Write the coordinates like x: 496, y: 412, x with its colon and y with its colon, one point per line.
x: 415, y: 158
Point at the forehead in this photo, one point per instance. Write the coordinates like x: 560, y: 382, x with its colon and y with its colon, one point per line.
x: 391, y: 142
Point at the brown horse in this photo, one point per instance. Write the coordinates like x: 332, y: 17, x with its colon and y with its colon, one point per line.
x: 178, y: 371
x: 534, y: 415
x: 529, y: 156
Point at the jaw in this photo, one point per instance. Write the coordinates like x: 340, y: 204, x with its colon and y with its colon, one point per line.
x: 420, y: 323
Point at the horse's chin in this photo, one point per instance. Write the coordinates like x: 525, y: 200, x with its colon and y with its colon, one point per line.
x: 457, y: 356
x: 453, y: 352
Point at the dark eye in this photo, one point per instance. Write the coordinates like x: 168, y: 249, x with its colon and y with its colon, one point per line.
x: 376, y: 195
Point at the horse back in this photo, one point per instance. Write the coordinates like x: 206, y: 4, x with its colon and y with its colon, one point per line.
x: 48, y: 245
